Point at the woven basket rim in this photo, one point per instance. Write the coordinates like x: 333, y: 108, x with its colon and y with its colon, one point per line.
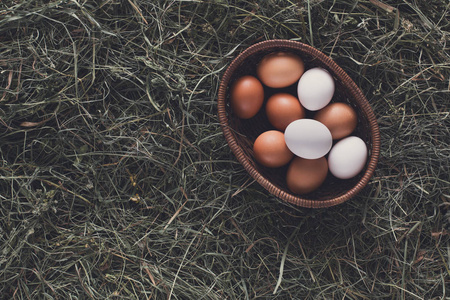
x: 342, y: 76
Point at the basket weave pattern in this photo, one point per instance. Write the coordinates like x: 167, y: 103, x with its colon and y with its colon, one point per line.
x: 240, y: 134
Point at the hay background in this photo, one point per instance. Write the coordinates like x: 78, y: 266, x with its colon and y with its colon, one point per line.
x: 116, y: 181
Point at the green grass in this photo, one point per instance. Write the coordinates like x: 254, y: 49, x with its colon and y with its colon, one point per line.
x: 117, y: 183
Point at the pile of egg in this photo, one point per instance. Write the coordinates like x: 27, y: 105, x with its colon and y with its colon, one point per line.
x: 311, y: 147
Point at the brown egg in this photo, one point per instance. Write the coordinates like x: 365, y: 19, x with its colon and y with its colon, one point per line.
x: 247, y: 97
x: 280, y: 69
x: 339, y: 118
x: 270, y: 149
x: 306, y: 175
x: 282, y: 109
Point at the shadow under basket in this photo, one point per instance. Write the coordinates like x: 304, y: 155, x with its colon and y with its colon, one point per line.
x: 241, y: 134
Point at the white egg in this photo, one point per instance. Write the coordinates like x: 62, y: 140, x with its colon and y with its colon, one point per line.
x: 308, y: 138
x: 347, y: 157
x: 315, y: 89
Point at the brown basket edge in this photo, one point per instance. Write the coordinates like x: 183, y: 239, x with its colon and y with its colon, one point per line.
x: 347, y: 81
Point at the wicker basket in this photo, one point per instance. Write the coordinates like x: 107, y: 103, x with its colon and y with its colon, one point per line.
x: 240, y: 134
